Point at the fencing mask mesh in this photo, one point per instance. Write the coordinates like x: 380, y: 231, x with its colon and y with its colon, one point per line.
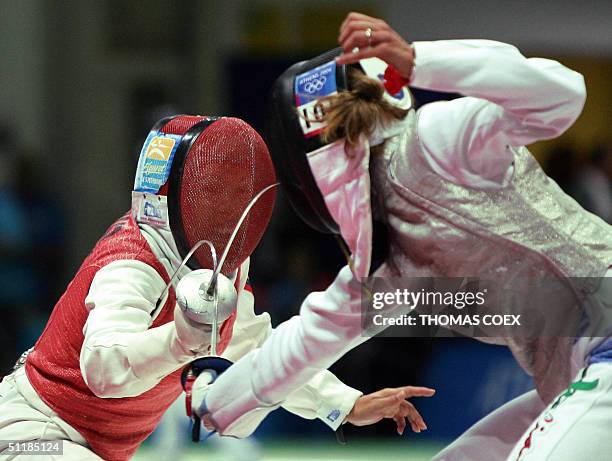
x: 215, y: 166
x: 225, y: 167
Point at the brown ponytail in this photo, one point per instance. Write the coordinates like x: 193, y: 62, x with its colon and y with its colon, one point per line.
x: 349, y: 114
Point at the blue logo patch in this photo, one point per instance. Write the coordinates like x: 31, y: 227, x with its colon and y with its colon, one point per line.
x: 316, y: 83
x: 155, y: 161
x: 309, y: 87
x: 334, y: 415
x: 151, y: 211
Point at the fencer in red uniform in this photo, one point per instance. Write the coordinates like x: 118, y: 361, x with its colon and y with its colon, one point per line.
x: 107, y: 365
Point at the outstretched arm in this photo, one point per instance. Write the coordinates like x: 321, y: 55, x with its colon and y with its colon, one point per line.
x: 329, y: 324
x: 324, y: 396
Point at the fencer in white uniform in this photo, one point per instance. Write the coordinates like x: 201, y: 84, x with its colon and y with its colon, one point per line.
x: 470, y: 150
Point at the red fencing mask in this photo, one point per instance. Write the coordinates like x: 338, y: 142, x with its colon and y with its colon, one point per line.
x: 197, y: 175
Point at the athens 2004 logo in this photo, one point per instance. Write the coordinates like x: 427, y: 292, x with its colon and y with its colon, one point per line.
x: 160, y: 148
x: 315, y: 85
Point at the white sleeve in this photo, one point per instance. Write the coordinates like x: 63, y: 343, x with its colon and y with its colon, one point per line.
x: 510, y: 101
x: 121, y: 356
x: 328, y: 326
x: 250, y: 330
x: 324, y: 396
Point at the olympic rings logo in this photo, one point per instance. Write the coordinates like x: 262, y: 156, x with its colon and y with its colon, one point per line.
x: 315, y: 85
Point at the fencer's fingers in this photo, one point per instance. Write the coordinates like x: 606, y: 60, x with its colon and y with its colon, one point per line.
x: 400, y: 421
x: 348, y: 20
x: 418, y: 419
x: 359, y: 39
x: 359, y: 27
x: 390, y: 405
x: 351, y: 27
x: 405, y: 392
x: 407, y: 409
x: 413, y: 415
x: 361, y: 24
x: 386, y: 392
x: 355, y: 39
x: 409, y: 412
x: 417, y: 391
x: 208, y: 423
x: 354, y: 16
x: 369, y: 52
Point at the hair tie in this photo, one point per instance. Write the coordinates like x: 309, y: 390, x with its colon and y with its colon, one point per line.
x: 393, y: 81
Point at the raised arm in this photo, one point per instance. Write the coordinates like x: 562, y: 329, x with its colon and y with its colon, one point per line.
x: 510, y: 100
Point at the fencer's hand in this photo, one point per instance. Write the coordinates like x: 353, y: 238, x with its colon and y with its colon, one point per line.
x: 390, y: 403
x: 193, y: 337
x: 208, y: 424
x: 384, y: 43
x: 198, y: 395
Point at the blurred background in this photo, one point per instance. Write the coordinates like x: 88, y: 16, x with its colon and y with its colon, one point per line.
x: 82, y: 82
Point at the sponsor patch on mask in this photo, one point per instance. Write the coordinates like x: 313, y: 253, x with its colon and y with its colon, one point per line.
x: 309, y: 87
x: 155, y: 161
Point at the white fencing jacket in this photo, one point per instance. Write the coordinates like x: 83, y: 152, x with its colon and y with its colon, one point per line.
x: 509, y: 100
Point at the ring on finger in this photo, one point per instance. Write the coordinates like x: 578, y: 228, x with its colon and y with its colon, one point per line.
x: 369, y: 33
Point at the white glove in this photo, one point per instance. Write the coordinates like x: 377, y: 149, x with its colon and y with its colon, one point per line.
x: 226, y: 422
x: 191, y: 336
x: 198, y: 394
